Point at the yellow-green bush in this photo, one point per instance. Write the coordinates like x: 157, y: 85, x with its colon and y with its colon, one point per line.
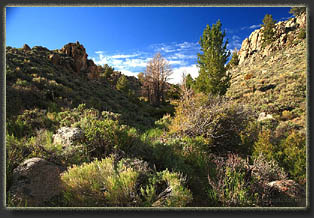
x: 109, y: 183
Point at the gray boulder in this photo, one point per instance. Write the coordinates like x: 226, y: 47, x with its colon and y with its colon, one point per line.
x: 35, y: 181
x: 263, y: 116
x: 66, y: 136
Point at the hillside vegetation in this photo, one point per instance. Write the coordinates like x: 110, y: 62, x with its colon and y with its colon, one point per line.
x: 89, y: 137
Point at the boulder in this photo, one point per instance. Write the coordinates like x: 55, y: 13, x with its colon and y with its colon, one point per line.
x: 67, y: 136
x: 263, y: 116
x: 35, y: 181
x: 287, y: 193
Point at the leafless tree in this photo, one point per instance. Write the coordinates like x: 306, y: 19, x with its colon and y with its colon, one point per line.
x: 157, y: 74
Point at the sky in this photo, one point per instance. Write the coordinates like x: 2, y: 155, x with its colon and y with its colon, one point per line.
x: 126, y: 38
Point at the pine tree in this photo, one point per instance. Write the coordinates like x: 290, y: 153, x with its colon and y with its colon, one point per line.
x: 234, y: 59
x: 211, y: 61
x: 122, y: 84
x: 268, y: 30
x: 189, y: 82
x: 296, y: 11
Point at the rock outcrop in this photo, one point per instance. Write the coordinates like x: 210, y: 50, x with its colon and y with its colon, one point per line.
x: 26, y: 48
x: 34, y: 182
x: 78, y: 53
x: 80, y: 62
x: 285, y: 32
x: 66, y: 136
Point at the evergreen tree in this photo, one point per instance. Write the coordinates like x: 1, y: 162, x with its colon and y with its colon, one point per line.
x: 122, y: 84
x: 234, y: 59
x: 296, y: 11
x: 268, y: 33
x: 211, y: 61
x: 189, y: 82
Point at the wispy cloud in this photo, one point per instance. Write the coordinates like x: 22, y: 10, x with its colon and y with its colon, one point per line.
x: 255, y: 26
x: 235, y: 42
x: 125, y: 56
x: 175, y: 47
x: 285, y: 18
x: 180, y: 55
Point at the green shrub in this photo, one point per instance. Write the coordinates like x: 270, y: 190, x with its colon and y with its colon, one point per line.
x: 16, y: 152
x: 29, y: 122
x: 179, y: 196
x: 292, y: 156
x: 103, y: 133
x: 302, y: 33
x: 248, y: 137
x: 107, y: 182
x: 265, y: 145
x: 164, y: 122
x: 290, y: 152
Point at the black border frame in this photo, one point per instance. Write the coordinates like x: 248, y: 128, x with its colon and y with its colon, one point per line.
x: 82, y: 212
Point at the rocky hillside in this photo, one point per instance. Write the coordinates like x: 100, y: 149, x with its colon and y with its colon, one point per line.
x: 64, y: 78
x: 272, y: 79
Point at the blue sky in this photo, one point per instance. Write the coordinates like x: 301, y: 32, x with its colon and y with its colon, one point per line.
x: 128, y: 37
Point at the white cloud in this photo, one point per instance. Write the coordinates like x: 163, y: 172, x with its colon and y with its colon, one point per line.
x: 254, y: 26
x: 175, y: 47
x: 181, y: 56
x: 136, y: 62
x: 129, y: 73
x: 122, y: 56
x: 187, y: 45
x: 166, y: 49
x: 177, y: 62
x: 176, y: 77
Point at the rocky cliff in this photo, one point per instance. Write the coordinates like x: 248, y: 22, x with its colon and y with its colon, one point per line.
x: 272, y: 80
x: 285, y: 33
